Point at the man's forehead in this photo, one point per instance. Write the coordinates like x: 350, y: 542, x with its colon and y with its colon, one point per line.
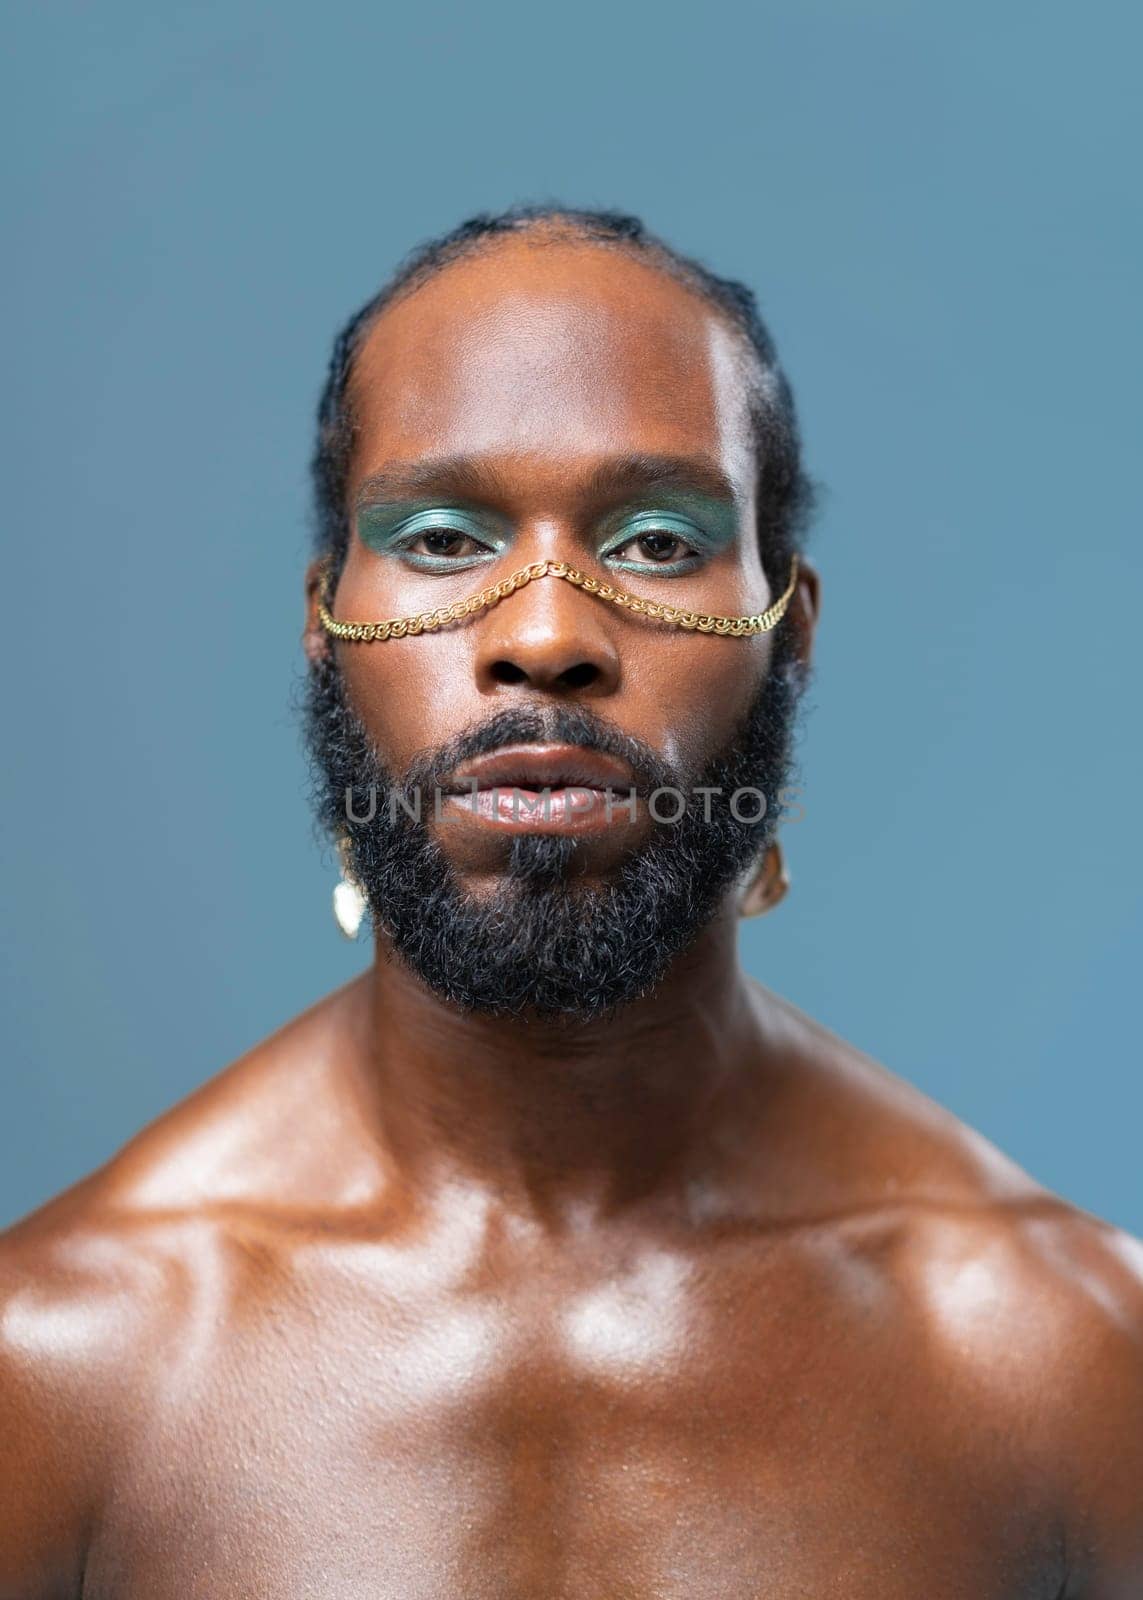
x: 548, y: 352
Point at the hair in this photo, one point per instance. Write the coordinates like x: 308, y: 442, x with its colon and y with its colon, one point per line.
x: 785, y: 495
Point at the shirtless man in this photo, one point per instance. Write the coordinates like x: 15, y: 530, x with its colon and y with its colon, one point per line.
x: 552, y: 1257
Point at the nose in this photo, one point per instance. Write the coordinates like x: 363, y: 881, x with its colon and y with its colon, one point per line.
x: 547, y: 636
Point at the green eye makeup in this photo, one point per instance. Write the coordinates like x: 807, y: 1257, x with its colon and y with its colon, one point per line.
x: 440, y: 539
x: 433, y: 539
x: 648, y: 535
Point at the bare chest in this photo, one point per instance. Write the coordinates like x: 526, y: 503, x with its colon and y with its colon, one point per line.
x: 638, y: 1444
x: 540, y: 1511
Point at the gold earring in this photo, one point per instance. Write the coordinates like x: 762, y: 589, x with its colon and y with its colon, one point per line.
x: 349, y: 902
x: 767, y: 885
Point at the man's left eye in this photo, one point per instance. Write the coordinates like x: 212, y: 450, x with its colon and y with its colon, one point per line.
x: 651, y: 549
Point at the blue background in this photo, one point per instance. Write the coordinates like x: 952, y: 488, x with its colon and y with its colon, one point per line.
x: 936, y: 205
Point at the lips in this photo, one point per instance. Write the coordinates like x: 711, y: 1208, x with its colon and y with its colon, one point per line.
x: 537, y: 767
x: 545, y: 788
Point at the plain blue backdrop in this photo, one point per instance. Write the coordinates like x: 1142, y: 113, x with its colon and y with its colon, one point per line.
x: 937, y: 207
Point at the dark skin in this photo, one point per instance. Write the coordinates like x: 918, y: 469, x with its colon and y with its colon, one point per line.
x: 698, y: 1302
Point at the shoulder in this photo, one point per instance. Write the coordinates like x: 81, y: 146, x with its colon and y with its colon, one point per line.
x: 1025, y: 1312
x: 1033, y: 1312
x: 1022, y: 1314
x: 77, y: 1301
x: 102, y: 1289
x: 103, y: 1298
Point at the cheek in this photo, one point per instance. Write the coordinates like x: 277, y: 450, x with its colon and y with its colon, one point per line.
x: 383, y: 696
x: 688, y: 696
x: 411, y: 694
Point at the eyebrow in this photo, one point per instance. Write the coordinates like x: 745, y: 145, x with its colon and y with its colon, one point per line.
x: 472, y: 477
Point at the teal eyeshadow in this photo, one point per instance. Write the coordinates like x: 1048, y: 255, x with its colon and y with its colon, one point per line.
x: 668, y: 522
x: 709, y: 525
x: 390, y: 528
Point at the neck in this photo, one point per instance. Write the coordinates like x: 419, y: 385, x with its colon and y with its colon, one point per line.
x: 555, y: 1119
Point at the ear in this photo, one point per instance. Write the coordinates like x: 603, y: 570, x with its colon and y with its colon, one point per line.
x: 315, y: 640
x: 802, y: 614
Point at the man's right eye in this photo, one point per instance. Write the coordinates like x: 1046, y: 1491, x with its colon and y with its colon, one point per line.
x: 445, y: 542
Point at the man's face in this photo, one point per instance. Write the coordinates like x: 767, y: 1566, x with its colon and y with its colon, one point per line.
x: 506, y: 412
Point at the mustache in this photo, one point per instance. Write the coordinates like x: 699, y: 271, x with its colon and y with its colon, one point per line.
x: 522, y: 725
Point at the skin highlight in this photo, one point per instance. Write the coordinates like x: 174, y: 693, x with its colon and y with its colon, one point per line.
x: 696, y: 1300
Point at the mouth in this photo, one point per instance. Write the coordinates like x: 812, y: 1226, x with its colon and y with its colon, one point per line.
x: 545, y: 789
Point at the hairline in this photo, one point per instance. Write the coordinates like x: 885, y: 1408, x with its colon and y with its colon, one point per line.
x: 756, y: 373
x: 768, y: 397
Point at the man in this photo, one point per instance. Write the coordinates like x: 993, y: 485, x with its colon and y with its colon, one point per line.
x: 553, y: 1257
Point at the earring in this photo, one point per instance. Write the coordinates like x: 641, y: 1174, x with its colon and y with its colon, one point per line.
x: 767, y: 884
x: 348, y: 899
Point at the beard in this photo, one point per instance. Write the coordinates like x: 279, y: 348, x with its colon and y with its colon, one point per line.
x: 546, y: 943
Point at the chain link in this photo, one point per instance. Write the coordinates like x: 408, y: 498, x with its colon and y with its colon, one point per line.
x: 657, y: 610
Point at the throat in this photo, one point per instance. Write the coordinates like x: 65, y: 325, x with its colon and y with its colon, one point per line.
x: 553, y: 1110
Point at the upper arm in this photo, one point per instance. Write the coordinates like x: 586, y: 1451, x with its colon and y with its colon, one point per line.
x: 41, y: 1533
x: 1101, y: 1378
x: 49, y: 1428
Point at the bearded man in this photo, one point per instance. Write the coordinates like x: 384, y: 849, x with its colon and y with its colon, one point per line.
x: 552, y: 1256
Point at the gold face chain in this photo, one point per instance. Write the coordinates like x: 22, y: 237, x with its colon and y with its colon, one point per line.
x: 657, y: 610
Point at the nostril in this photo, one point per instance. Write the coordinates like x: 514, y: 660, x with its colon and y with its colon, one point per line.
x: 579, y: 676
x: 507, y: 672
